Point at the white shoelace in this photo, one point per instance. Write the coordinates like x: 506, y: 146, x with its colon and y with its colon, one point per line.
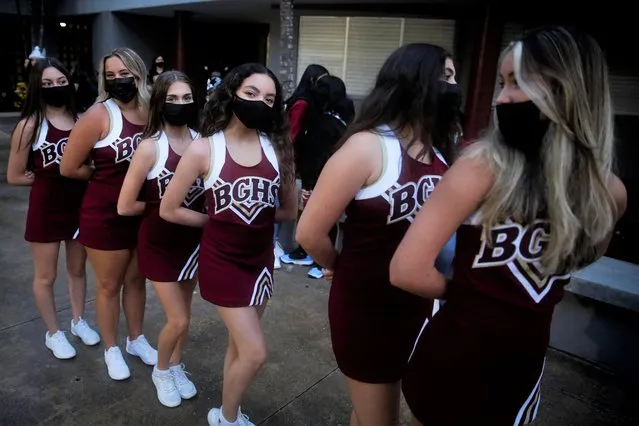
x: 59, y: 337
x: 180, y: 375
x: 166, y: 382
x: 82, y: 327
x: 243, y: 418
x: 142, y: 345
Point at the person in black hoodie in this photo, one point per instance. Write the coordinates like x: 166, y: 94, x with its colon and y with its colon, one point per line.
x: 328, y: 117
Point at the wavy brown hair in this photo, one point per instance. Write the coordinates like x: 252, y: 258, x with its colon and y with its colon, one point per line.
x: 158, y: 100
x: 218, y: 112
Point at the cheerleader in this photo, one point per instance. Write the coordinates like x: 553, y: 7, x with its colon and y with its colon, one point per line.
x: 107, y: 135
x: 37, y: 144
x: 246, y: 163
x: 167, y: 253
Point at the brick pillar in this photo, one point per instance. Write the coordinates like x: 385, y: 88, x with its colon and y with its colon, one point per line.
x: 483, y: 71
x: 181, y: 20
x: 287, y: 47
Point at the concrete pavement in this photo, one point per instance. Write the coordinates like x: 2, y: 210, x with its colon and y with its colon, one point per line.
x: 298, y: 386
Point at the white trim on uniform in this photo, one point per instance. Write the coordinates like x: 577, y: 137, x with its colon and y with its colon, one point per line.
x: 43, y: 129
x: 528, y: 410
x: 115, y: 124
x: 391, y: 168
x: 191, y: 266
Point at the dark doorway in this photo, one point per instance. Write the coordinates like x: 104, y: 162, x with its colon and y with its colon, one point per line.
x: 223, y: 46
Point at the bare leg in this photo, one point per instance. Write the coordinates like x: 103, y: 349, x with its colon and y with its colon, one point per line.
x: 186, y: 289
x: 77, y: 276
x: 134, y: 298
x: 45, y: 264
x: 245, y: 333
x: 177, y: 311
x: 109, y: 268
x: 374, y: 404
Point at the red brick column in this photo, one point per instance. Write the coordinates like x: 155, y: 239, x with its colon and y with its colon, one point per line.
x: 181, y: 21
x: 483, y: 71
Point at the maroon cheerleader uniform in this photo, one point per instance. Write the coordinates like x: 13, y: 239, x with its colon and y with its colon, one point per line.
x: 54, y: 201
x: 101, y: 227
x: 481, y: 358
x: 374, y: 325
x: 236, y: 254
x: 168, y: 252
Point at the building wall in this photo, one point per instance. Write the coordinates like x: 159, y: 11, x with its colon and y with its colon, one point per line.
x: 83, y: 7
x: 148, y: 36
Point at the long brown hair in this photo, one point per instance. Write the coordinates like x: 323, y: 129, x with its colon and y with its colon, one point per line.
x: 158, y: 99
x: 406, y: 95
x: 34, y: 106
x: 218, y: 113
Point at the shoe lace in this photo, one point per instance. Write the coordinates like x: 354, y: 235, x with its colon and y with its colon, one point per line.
x: 166, y: 383
x: 81, y: 326
x: 180, y: 375
x: 59, y: 337
x: 142, y: 345
x: 243, y: 419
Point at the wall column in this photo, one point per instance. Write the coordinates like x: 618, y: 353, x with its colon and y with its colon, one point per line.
x: 483, y: 71
x: 181, y: 20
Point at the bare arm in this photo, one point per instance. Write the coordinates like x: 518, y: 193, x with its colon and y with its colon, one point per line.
x: 288, y: 203
x: 141, y: 164
x: 337, y: 185
x: 618, y: 191
x: 88, y: 130
x: 455, y: 198
x: 194, y: 163
x: 17, y: 173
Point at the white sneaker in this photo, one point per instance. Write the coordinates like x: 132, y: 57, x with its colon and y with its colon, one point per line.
x: 82, y: 330
x: 59, y: 345
x: 140, y: 347
x: 184, y: 385
x: 116, y: 366
x: 278, y: 252
x: 168, y: 393
x: 215, y: 418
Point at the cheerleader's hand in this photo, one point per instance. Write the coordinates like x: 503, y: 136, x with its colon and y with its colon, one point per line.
x: 328, y: 275
x: 29, y: 174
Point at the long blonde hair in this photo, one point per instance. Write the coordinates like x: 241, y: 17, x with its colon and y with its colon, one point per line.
x: 566, y: 77
x: 135, y: 65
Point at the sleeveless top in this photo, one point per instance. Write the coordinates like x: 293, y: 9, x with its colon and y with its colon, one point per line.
x: 508, y: 272
x: 379, y: 216
x: 241, y: 202
x: 47, y: 151
x: 158, y: 178
x: 112, y: 155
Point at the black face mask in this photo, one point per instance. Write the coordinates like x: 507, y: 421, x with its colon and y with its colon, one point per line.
x: 122, y: 89
x: 57, y: 96
x: 450, y: 99
x: 522, y: 127
x: 254, y: 114
x: 179, y: 114
x: 159, y: 64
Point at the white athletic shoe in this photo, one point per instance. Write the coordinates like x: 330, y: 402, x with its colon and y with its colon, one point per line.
x: 82, y: 330
x: 278, y: 252
x: 59, y: 345
x: 116, y: 366
x: 184, y: 385
x: 215, y: 418
x: 140, y: 347
x: 165, y: 386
